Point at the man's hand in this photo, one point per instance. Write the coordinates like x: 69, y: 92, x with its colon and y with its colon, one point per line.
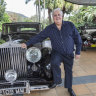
x: 77, y: 56
x: 23, y: 45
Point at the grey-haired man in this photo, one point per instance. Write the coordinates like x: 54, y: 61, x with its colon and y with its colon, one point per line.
x: 63, y: 36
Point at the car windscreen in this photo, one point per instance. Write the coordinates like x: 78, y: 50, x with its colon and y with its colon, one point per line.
x: 21, y: 28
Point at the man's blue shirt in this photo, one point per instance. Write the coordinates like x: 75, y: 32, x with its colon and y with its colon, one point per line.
x: 63, y: 40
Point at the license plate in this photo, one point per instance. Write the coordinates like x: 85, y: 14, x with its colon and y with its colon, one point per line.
x: 12, y: 91
x: 94, y: 38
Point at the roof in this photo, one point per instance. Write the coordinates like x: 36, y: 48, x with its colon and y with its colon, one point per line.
x: 83, y: 2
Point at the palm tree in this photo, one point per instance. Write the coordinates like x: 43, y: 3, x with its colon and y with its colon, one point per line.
x: 52, y: 4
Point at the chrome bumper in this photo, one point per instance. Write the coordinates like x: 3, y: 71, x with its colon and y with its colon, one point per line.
x: 22, y: 89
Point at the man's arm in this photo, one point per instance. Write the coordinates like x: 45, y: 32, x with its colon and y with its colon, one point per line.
x: 78, y: 42
x: 38, y: 38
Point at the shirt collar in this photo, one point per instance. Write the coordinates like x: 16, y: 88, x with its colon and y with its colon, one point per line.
x: 54, y: 25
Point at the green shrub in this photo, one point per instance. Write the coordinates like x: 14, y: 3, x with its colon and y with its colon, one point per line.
x: 2, y: 41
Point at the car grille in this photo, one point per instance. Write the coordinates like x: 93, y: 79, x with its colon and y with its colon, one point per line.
x: 12, y: 56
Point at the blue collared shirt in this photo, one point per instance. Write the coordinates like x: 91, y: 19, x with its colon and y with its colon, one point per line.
x: 63, y: 40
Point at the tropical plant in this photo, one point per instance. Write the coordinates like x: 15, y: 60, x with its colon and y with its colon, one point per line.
x: 52, y: 4
x: 5, y: 19
x: 90, y: 15
x: 2, y: 9
x: 86, y: 15
x: 3, y: 16
x: 2, y: 41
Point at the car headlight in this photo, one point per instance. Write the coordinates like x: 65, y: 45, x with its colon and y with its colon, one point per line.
x: 89, y: 37
x: 11, y: 75
x: 33, y: 54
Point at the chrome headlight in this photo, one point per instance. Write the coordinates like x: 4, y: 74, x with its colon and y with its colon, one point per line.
x: 11, y: 75
x: 89, y: 37
x: 33, y: 54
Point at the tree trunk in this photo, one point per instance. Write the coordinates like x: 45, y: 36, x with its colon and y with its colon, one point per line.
x: 63, y: 10
x: 37, y: 13
x: 49, y: 16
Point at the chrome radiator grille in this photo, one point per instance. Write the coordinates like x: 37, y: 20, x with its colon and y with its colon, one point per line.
x: 12, y: 56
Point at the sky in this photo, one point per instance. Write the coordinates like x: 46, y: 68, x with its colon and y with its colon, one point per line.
x: 19, y: 6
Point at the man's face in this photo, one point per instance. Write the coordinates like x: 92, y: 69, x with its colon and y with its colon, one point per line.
x: 57, y: 17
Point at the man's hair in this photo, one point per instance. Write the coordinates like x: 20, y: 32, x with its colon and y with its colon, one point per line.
x: 57, y: 9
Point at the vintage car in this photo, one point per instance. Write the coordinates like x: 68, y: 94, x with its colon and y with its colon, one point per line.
x: 88, y: 35
x: 23, y: 69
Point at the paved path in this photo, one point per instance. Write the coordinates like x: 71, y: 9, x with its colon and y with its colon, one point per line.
x: 84, y: 81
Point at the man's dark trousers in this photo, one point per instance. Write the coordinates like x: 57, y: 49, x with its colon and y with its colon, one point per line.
x: 56, y: 59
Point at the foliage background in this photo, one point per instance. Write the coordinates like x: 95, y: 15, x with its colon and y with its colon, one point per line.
x: 3, y: 15
x: 84, y: 16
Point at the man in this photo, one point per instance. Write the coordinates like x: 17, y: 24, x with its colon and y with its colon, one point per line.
x: 63, y: 36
